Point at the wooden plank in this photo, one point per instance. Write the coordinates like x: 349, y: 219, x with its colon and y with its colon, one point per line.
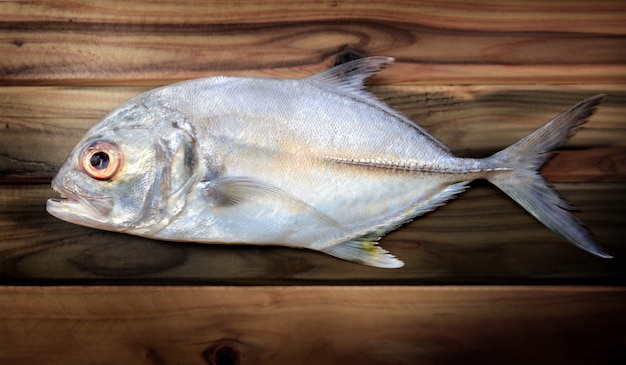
x: 604, y: 16
x: 41, y: 125
x: 77, y: 43
x: 312, y: 325
x: 455, y: 244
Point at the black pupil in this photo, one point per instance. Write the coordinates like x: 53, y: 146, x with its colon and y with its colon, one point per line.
x: 99, y: 160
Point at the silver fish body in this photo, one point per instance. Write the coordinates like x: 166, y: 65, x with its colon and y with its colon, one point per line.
x: 314, y: 163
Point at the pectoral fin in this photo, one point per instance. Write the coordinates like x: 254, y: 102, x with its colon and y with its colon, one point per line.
x: 231, y: 191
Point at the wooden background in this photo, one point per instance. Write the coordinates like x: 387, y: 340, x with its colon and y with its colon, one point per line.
x: 479, y: 75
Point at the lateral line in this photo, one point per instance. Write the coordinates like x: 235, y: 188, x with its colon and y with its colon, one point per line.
x: 408, y: 166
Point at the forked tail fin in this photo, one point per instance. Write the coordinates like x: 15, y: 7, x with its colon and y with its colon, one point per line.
x: 524, y: 184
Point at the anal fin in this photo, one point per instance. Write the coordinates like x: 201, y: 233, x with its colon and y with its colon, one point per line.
x: 365, y: 249
x: 364, y: 252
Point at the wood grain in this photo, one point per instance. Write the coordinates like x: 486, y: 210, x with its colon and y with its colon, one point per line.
x: 312, y: 325
x: 456, y: 43
x: 535, y: 15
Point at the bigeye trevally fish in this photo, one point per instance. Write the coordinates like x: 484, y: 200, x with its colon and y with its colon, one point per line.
x: 317, y: 163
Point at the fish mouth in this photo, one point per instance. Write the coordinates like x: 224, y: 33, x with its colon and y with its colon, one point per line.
x: 77, y: 208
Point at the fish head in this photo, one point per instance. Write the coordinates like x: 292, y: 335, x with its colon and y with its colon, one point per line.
x: 121, y: 175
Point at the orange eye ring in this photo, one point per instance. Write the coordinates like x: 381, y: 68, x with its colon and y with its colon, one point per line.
x: 101, y: 160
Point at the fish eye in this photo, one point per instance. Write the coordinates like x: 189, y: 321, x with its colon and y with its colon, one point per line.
x: 101, y: 160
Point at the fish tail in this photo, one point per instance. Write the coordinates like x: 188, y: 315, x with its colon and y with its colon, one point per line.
x: 521, y: 179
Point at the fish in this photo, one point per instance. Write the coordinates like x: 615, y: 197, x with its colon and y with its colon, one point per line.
x: 318, y: 163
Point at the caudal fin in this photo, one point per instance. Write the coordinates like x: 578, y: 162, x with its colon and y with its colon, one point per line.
x: 524, y: 184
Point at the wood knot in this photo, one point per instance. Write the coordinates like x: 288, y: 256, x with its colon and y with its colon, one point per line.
x: 221, y: 354
x: 346, y: 57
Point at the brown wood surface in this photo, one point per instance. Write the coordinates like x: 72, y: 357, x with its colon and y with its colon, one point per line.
x: 116, y: 42
x: 312, y: 325
x: 478, y: 75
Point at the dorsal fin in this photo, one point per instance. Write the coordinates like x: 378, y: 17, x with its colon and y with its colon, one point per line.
x: 349, y: 78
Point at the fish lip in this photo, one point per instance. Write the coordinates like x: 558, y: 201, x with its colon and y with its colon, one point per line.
x: 72, y: 206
